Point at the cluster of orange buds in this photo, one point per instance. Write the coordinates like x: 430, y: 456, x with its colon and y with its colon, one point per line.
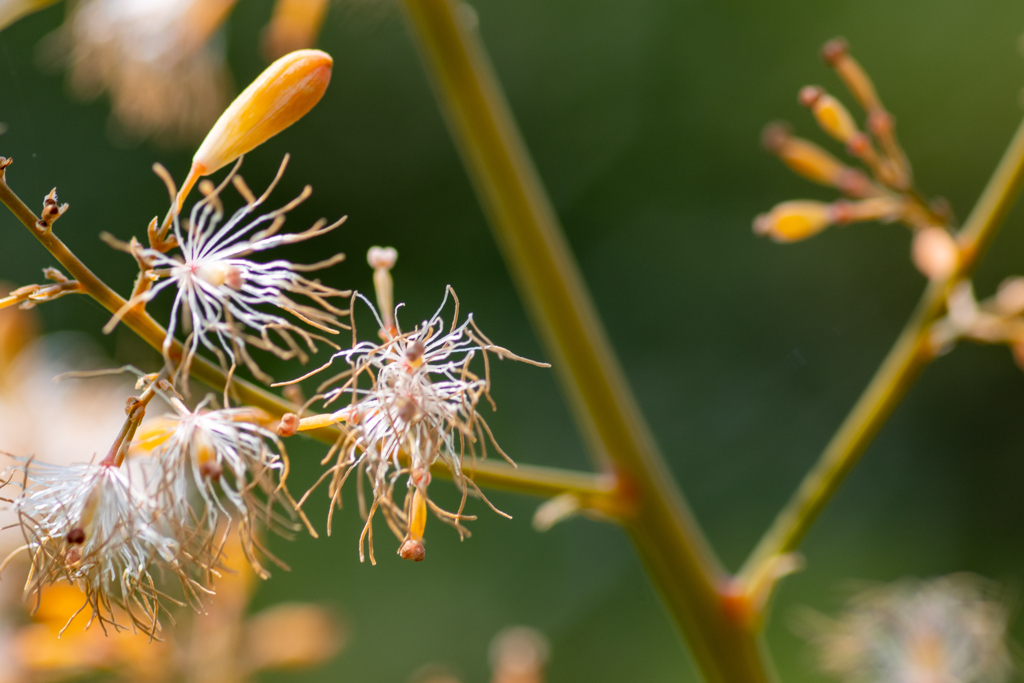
x: 883, y: 190
x: 996, y: 320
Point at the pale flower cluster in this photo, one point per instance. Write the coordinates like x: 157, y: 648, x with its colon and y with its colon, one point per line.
x: 171, y: 491
x: 952, y: 629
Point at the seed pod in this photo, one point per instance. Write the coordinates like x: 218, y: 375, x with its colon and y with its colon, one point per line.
x: 413, y: 550
x: 279, y: 97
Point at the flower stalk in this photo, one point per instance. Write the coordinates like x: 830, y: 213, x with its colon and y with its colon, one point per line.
x: 679, y: 560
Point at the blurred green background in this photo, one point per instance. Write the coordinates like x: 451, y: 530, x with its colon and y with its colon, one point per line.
x: 643, y: 118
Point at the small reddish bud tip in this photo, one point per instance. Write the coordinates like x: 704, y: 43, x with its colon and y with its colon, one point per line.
x: 880, y: 122
x: 233, y: 278
x: 211, y: 469
x: 774, y: 136
x: 858, y: 145
x: 736, y: 603
x: 762, y: 224
x: 834, y: 50
x: 289, y: 425
x: 76, y: 536
x: 412, y: 549
x: 855, y: 184
x: 808, y: 95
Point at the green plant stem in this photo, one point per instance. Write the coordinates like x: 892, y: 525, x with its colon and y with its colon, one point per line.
x: 593, y: 490
x: 672, y: 546
x: 908, y: 357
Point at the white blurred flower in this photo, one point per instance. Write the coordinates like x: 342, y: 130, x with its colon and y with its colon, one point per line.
x: 87, y: 523
x: 12, y: 10
x: 947, y: 630
x: 90, y: 411
x: 160, y: 61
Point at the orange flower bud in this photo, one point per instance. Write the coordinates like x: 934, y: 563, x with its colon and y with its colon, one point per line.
x: 794, y: 220
x: 829, y: 112
x: 833, y: 118
x: 836, y: 54
x: 279, y: 97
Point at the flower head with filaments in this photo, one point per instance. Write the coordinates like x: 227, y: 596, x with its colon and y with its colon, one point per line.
x: 91, y: 524
x: 236, y: 466
x: 947, y: 630
x: 221, y: 294
x: 420, y: 409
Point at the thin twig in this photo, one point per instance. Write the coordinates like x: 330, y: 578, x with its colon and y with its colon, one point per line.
x: 678, y: 558
x: 909, y: 355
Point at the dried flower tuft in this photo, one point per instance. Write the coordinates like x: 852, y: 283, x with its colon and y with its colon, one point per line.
x: 419, y: 410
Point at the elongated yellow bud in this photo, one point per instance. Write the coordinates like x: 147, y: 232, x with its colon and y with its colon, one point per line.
x: 794, y: 220
x: 412, y: 547
x: 836, y: 54
x: 829, y: 112
x: 418, y: 521
x: 812, y: 162
x: 279, y: 97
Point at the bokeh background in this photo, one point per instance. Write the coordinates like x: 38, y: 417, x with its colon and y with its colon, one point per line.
x: 643, y: 118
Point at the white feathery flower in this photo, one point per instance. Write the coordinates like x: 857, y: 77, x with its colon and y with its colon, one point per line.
x: 228, y: 458
x: 29, y: 399
x: 159, y: 60
x: 89, y: 523
x: 420, y: 408
x: 221, y: 293
x: 947, y: 630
